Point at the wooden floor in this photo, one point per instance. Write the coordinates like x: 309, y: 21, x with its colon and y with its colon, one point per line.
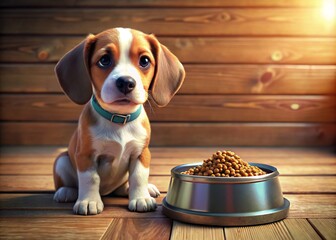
x: 308, y: 180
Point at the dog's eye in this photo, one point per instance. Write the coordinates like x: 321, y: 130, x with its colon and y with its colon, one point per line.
x: 105, y: 61
x: 144, y: 62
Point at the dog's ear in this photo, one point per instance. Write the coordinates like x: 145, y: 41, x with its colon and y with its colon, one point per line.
x: 73, y: 74
x: 169, y: 73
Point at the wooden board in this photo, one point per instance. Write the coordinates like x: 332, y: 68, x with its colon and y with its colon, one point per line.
x: 301, y: 229
x: 254, y: 50
x: 162, y: 3
x: 53, y: 228
x: 182, y: 231
x: 185, y: 134
x: 142, y: 229
x: 229, y: 108
x: 325, y: 227
x: 275, y: 230
x: 200, y: 79
x: 170, y: 21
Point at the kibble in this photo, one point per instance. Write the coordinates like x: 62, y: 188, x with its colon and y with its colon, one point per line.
x: 225, y: 164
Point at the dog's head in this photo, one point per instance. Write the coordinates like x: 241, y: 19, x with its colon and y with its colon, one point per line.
x: 120, y: 66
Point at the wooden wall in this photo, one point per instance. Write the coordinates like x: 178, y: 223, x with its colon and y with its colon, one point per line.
x: 258, y: 72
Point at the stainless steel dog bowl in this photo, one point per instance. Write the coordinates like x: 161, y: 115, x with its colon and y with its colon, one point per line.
x: 225, y: 201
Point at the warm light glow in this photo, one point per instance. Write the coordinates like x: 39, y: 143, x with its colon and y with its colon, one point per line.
x: 329, y: 9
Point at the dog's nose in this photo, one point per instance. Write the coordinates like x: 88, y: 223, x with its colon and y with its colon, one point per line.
x: 125, y: 84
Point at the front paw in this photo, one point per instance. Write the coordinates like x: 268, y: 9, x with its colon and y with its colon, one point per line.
x: 88, y: 207
x: 145, y: 204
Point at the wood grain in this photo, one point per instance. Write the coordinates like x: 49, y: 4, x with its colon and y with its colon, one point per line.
x: 200, y: 79
x: 190, y: 232
x: 185, y: 134
x: 52, y: 228
x: 167, y: 21
x: 277, y: 230
x: 325, y: 227
x: 142, y: 229
x: 205, y: 108
x: 312, y: 206
x: 161, y: 3
x: 301, y: 229
x: 246, y: 50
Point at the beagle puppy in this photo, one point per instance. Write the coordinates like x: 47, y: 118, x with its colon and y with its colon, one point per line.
x: 113, y: 73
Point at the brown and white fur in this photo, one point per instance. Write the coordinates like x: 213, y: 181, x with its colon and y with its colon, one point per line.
x: 105, y: 157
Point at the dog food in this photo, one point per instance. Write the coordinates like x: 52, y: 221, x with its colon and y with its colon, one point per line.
x: 225, y: 164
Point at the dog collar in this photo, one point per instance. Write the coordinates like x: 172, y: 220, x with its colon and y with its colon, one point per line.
x: 114, y: 117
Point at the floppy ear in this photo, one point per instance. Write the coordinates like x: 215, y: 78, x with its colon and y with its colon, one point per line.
x: 72, y: 72
x: 169, y: 74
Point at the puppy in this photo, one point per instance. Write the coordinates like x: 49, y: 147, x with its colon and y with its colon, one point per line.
x: 113, y: 73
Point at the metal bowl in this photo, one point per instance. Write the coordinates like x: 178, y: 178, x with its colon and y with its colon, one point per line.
x: 225, y: 201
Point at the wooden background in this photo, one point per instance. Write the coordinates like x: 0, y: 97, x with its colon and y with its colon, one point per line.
x: 259, y: 73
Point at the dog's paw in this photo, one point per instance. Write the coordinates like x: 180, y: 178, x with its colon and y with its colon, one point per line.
x: 88, y: 207
x: 153, y: 191
x: 66, y: 194
x: 142, y: 204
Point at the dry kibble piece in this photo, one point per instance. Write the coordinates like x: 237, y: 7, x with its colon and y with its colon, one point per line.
x: 224, y: 164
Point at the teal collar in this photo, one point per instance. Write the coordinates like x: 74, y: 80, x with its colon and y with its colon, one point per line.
x: 114, y: 117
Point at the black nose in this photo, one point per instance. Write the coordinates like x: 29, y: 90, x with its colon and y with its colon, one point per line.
x: 125, y: 84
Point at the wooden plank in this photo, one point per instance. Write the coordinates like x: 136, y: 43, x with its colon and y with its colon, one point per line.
x: 203, y: 134
x: 168, y: 21
x: 26, y: 169
x: 220, y: 79
x: 195, y: 232
x: 275, y: 230
x: 52, y: 228
x: 252, y: 79
x: 325, y: 227
x: 28, y: 78
x: 289, y: 184
x: 121, y: 228
x: 301, y: 229
x: 185, y: 134
x: 312, y: 206
x: 161, y: 3
x: 259, y: 50
x: 230, y: 108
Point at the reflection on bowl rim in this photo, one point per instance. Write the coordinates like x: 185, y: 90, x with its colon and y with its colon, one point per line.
x: 271, y: 172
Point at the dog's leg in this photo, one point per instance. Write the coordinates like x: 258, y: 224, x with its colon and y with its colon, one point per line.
x: 139, y: 197
x: 89, y: 201
x: 122, y: 191
x: 65, y: 179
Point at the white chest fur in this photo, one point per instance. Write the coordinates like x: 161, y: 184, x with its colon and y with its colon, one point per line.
x: 114, y: 147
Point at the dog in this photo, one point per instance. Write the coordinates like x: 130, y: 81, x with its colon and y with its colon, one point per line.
x: 113, y: 73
